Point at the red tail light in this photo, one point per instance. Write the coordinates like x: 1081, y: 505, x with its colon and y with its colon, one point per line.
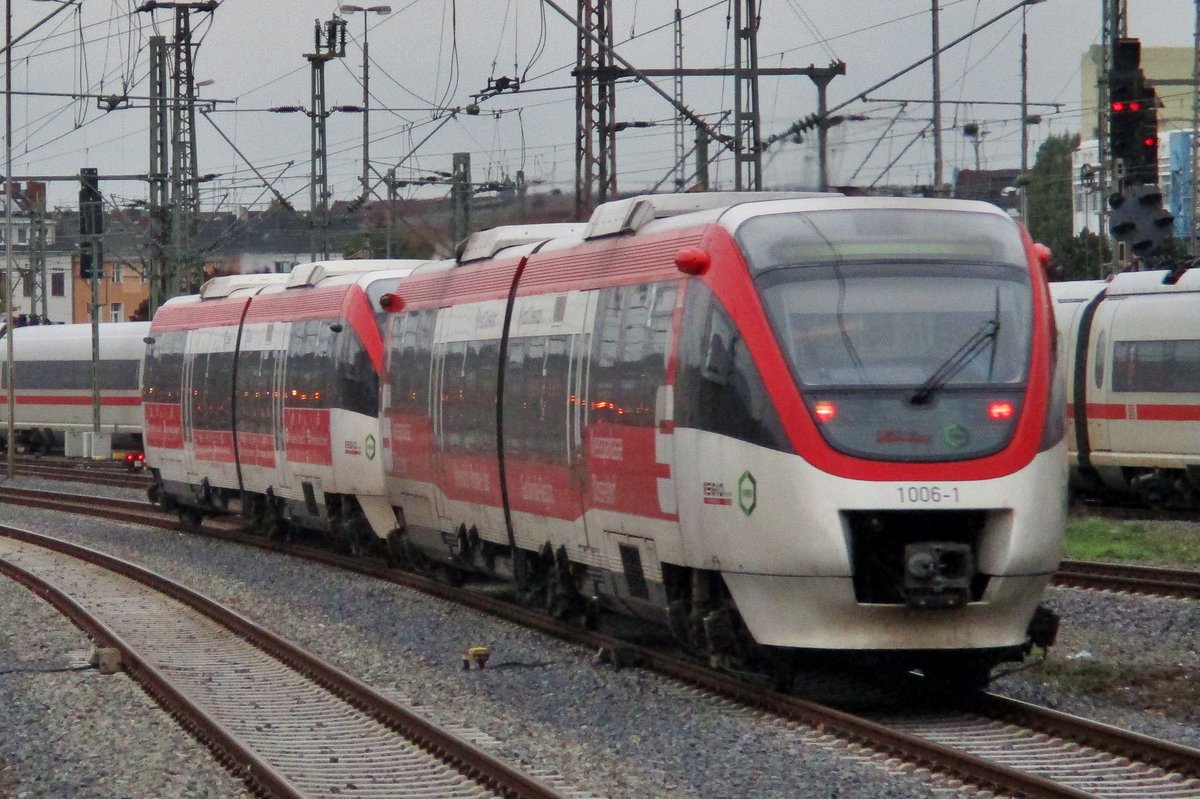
x: 1000, y: 410
x: 825, y: 411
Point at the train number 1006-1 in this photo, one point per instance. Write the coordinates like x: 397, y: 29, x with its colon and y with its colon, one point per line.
x: 927, y: 494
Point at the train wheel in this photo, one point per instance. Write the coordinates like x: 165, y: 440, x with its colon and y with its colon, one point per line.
x: 397, y: 553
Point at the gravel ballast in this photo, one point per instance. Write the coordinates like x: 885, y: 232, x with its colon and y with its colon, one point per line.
x: 539, y: 702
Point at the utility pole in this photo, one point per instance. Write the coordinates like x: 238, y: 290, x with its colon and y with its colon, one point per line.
x: 91, y: 267
x: 163, y: 282
x: 1194, y: 150
x: 747, y: 131
x: 937, y: 101
x: 390, y: 178
x: 680, y: 152
x: 35, y: 192
x: 598, y: 64
x: 366, y: 93
x: 1024, y: 196
x: 460, y: 194
x: 181, y: 268
x: 821, y: 78
x: 595, y: 107
x: 329, y: 43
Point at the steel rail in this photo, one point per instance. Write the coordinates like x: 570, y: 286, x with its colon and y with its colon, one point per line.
x: 880, y: 736
x: 476, y: 763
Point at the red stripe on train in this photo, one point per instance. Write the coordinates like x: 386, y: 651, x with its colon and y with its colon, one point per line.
x: 26, y: 399
x: 1143, y: 412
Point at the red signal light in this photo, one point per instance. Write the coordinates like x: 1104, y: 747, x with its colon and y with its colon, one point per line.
x: 1120, y: 106
x: 1149, y: 142
x: 825, y: 411
x: 1002, y: 409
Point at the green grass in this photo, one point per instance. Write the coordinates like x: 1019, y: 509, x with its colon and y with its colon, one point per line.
x: 1162, y: 543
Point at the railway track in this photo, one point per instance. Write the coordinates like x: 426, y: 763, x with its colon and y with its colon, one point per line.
x: 1148, y: 580
x: 289, y: 724
x: 991, y: 742
x: 108, y: 473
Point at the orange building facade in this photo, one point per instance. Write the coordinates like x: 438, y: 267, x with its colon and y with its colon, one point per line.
x: 120, y: 291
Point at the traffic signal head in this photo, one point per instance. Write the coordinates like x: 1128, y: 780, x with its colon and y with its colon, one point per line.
x: 91, y: 203
x: 1139, y: 220
x: 1133, y: 115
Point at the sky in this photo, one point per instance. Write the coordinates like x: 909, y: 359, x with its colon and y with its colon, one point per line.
x: 430, y: 59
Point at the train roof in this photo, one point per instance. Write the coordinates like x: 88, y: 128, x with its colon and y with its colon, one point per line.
x: 657, y: 212
x: 1156, y: 282
x: 227, y: 285
x: 1076, y: 290
x: 311, y: 274
x: 1128, y: 284
x: 118, y: 340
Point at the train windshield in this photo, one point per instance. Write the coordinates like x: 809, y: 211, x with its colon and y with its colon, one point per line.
x: 908, y: 331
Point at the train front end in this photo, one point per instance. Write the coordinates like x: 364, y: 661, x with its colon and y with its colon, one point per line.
x: 898, y: 481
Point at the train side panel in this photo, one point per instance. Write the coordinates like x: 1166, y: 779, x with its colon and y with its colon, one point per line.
x: 1138, y: 389
x: 53, y: 387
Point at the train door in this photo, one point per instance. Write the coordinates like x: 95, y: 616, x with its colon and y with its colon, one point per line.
x: 627, y: 457
x: 466, y: 364
x: 208, y: 422
x: 545, y: 358
x: 1102, y: 408
x: 259, y: 393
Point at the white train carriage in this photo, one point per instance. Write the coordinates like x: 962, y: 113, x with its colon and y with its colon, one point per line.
x: 1132, y: 355
x: 53, y: 382
x: 263, y: 391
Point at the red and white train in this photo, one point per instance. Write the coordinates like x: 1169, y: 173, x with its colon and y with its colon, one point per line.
x: 1131, y: 352
x: 779, y: 426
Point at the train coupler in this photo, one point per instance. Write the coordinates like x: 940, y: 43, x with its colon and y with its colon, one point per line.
x: 937, y: 574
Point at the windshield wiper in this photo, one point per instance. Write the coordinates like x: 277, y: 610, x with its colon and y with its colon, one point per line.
x: 957, y: 360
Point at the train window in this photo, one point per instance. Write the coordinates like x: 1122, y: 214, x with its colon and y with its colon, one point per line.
x: 358, y: 382
x: 74, y: 375
x: 629, y: 353
x: 536, y: 398
x: 786, y: 240
x: 468, y: 396
x: 212, y: 384
x: 719, y: 388
x: 163, y: 373
x: 309, y: 379
x: 255, y: 391
x: 1098, y: 366
x: 409, y: 361
x: 1169, y: 366
x: 876, y: 325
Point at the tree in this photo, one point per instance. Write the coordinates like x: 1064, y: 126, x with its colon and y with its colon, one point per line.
x: 1048, y: 193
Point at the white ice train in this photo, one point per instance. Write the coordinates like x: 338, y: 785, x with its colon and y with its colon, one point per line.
x: 780, y: 427
x: 1131, y: 350
x: 52, y: 383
